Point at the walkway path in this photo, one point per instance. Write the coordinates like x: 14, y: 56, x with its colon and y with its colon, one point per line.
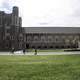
x: 40, y: 53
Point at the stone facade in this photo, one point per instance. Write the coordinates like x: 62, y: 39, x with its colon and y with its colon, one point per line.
x: 52, y: 39
x: 46, y: 40
x: 11, y: 32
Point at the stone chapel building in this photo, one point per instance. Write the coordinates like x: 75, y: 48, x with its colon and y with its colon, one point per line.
x: 13, y: 35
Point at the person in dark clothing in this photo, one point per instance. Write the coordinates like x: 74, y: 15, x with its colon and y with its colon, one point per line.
x: 23, y: 51
x: 35, y: 51
x: 12, y: 51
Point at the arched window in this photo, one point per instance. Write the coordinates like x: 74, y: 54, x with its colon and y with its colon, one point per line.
x: 43, y: 38
x: 29, y: 38
x: 50, y: 38
x: 35, y: 38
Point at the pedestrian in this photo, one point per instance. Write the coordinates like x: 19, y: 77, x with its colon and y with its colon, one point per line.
x: 12, y: 51
x: 35, y: 51
x: 23, y: 51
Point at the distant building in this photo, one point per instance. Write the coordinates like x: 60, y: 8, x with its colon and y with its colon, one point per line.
x: 11, y: 32
x: 52, y: 37
x: 13, y: 35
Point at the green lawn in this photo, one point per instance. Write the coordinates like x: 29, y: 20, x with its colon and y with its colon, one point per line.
x: 53, y: 67
x: 46, y: 50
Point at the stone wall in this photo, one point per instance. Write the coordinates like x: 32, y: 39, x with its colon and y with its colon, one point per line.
x: 46, y: 40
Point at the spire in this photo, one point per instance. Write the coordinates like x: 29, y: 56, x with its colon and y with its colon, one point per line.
x: 15, y: 10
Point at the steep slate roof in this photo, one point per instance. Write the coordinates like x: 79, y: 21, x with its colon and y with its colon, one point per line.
x: 52, y: 29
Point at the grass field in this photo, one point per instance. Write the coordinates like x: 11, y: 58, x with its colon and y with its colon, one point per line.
x: 51, y: 67
x: 46, y: 50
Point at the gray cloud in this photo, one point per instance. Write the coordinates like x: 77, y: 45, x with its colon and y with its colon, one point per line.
x: 7, y: 5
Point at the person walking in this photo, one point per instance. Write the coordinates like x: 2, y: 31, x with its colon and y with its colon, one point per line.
x: 35, y: 51
x: 23, y: 51
x: 12, y: 51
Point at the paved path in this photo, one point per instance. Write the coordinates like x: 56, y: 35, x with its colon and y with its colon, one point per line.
x: 40, y: 53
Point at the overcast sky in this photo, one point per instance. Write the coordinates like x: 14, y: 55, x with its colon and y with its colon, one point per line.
x: 45, y: 12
